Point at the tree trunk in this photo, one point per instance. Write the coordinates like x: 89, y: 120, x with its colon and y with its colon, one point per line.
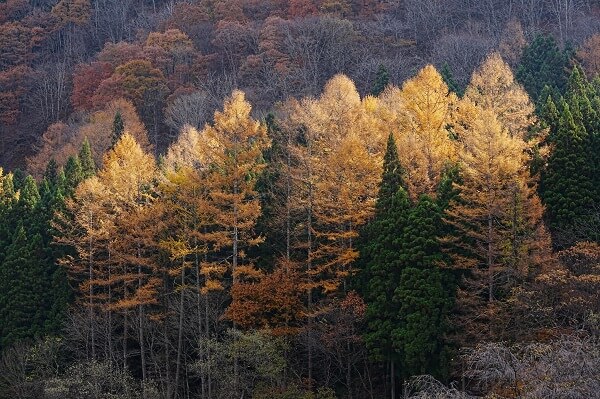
x: 490, y: 259
x: 91, y: 293
x: 180, y: 332
x: 392, y: 380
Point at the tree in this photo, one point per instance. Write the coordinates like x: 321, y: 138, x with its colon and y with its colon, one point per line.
x: 86, y: 79
x: 234, y: 152
x: 566, y: 186
x: 380, y: 262
x: 497, y: 217
x: 118, y: 128
x: 88, y: 166
x: 588, y: 54
x: 382, y: 79
x: 422, y: 296
x: 542, y: 64
x: 24, y: 289
x: 493, y: 87
x: 72, y: 11
x: 424, y: 142
x: 127, y: 176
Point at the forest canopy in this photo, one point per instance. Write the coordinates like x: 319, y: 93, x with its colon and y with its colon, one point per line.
x: 299, y: 199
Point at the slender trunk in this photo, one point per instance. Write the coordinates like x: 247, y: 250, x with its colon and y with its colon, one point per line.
x: 199, y: 315
x: 110, y: 329
x: 234, y: 264
x: 91, y: 291
x: 490, y: 259
x: 392, y: 380
x: 288, y: 210
x: 180, y: 331
x: 125, y: 332
x: 349, y: 370
x: 141, y: 321
x: 309, y: 268
x: 207, y: 349
x: 166, y: 338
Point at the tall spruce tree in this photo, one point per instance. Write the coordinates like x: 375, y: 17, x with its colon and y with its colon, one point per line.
x: 422, y: 296
x: 382, y: 79
x: 22, y: 290
x: 543, y: 64
x: 88, y: 166
x: 117, y: 129
x: 381, y: 260
x: 566, y: 187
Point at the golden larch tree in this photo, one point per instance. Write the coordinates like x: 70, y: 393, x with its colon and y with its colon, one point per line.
x: 233, y: 148
x: 422, y: 112
x: 498, y: 219
x: 493, y: 87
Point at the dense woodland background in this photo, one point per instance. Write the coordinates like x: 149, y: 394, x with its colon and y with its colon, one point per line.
x: 299, y: 199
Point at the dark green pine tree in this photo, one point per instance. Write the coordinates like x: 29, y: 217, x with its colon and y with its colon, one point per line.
x: 51, y: 173
x: 584, y: 101
x: 382, y: 80
x: 550, y: 118
x: 29, y: 194
x: 543, y: 64
x: 380, y: 263
x: 73, y: 175
x: 566, y: 185
x: 59, y: 294
x: 88, y: 166
x: 8, y: 201
x: 422, y: 296
x: 37, y: 291
x: 448, y: 77
x: 117, y: 129
x: 23, y: 289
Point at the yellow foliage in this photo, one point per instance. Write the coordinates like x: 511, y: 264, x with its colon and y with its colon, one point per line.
x: 423, y: 115
x: 493, y: 87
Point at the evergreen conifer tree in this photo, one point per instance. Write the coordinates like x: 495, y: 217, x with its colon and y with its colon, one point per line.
x: 382, y: 79
x: 448, y: 77
x: 543, y: 64
x: 117, y: 129
x: 23, y: 289
x: 566, y: 187
x: 422, y: 297
x: 88, y: 166
x: 73, y: 174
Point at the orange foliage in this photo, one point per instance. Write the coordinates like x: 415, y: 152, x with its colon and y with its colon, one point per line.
x: 274, y: 302
x: 137, y: 81
x: 61, y: 141
x: 120, y: 53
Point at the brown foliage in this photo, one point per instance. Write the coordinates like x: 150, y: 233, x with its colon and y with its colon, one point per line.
x: 589, y: 54
x: 86, y: 79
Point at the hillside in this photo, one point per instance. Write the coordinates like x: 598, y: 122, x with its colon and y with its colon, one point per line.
x: 303, y: 199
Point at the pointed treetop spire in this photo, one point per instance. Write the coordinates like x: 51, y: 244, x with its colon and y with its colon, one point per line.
x: 391, y: 180
x: 117, y: 129
x: 30, y: 195
x: 88, y: 166
x: 382, y: 79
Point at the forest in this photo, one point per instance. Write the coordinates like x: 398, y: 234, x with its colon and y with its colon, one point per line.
x: 299, y: 199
